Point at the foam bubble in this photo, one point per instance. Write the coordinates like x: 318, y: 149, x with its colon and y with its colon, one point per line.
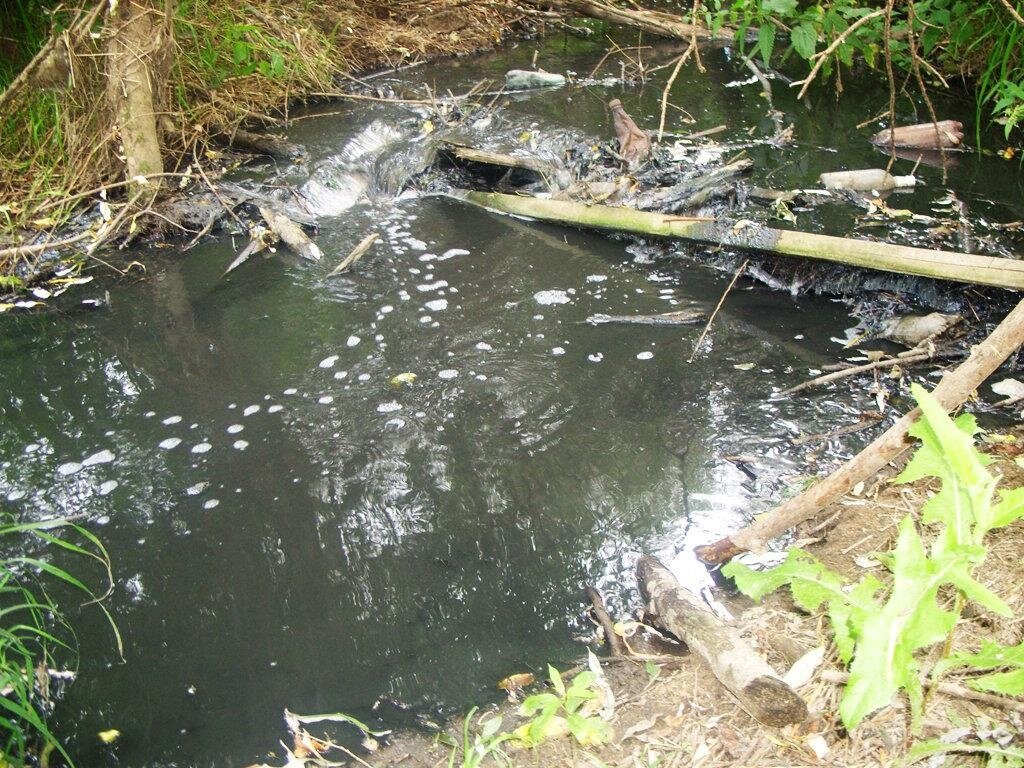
x: 201, y: 447
x: 328, y: 362
x: 170, y: 442
x: 554, y: 296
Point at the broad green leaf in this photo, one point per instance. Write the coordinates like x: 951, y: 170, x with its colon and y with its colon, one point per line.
x: 804, y: 38
x: 992, y: 656
x: 556, y: 680
x: 883, y: 662
x: 766, y: 42
x: 811, y: 582
x: 1009, y: 508
x: 779, y: 7
x: 960, y: 575
x: 1006, y: 683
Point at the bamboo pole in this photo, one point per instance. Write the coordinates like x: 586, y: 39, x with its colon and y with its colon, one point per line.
x: 746, y: 235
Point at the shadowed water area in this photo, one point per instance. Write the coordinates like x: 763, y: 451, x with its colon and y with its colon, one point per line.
x: 290, y: 529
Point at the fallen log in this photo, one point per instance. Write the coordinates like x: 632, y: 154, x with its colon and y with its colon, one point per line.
x: 291, y: 234
x: 655, y: 22
x: 952, y: 391
x: 747, y: 235
x: 258, y: 143
x: 740, y: 668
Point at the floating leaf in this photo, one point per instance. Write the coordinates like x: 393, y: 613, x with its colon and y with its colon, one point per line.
x: 109, y: 737
x: 403, y: 378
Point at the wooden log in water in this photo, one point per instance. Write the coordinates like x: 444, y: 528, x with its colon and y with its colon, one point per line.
x: 291, y: 234
x: 747, y: 235
x: 738, y: 666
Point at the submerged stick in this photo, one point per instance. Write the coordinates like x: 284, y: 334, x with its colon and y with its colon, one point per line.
x: 747, y: 235
x: 291, y: 234
x: 740, y: 668
x: 951, y: 392
x: 718, y: 306
x: 356, y: 254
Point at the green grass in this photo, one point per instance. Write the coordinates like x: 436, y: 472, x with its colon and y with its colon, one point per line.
x: 34, y: 631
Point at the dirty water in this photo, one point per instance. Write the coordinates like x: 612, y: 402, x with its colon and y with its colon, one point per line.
x: 289, y: 528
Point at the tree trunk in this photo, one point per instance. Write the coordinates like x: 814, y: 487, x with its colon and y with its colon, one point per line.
x: 138, y: 55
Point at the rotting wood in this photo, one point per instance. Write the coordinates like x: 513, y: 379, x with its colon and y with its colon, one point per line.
x: 615, y: 643
x: 747, y: 235
x: 654, y: 22
x: 355, y: 255
x: 951, y: 392
x: 738, y: 666
x: 291, y: 234
x: 695, y: 192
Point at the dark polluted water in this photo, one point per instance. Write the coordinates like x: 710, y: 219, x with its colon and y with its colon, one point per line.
x: 288, y: 528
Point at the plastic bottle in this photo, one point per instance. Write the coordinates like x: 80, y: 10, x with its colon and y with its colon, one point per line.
x: 869, y: 180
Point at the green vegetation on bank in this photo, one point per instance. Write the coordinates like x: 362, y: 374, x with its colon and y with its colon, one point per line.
x: 35, y: 634
x: 926, y: 41
x: 883, y: 629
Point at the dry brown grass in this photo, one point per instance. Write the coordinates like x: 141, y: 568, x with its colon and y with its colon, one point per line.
x: 233, y: 63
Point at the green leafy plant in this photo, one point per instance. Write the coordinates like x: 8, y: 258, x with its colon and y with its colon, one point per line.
x: 477, y: 747
x: 992, y: 656
x: 563, y: 711
x: 34, y: 632
x: 880, y: 627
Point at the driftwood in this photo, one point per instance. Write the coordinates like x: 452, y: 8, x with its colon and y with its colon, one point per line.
x: 634, y: 144
x: 259, y: 143
x: 945, y: 134
x: 654, y: 22
x: 951, y: 392
x: 740, y: 668
x: 356, y: 254
x: 673, y: 319
x: 501, y: 167
x: 616, y: 644
x: 291, y: 234
x: 746, y: 235
x: 693, y: 193
x: 257, y: 242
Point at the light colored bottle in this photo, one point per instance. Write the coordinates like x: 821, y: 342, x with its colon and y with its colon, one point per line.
x: 869, y: 180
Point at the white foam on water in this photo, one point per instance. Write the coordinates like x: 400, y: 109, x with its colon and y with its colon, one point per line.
x: 339, y: 375
x: 553, y: 296
x: 483, y: 346
x: 596, y: 278
x: 250, y: 410
x: 100, y: 457
x: 389, y: 407
x: 597, y: 357
x: 290, y: 391
x: 425, y: 287
x: 276, y: 407
x: 644, y: 355
x: 364, y: 377
x: 107, y: 487
x: 556, y: 351
x: 69, y: 468
x: 201, y: 447
x: 386, y: 309
x: 352, y: 341
x: 447, y: 374
x: 240, y: 445
x: 32, y: 447
x: 451, y: 252
x: 328, y: 362
x: 326, y: 400
x: 195, y: 490
x: 437, y: 305
x: 15, y: 495
x: 234, y: 429
x: 171, y: 420
x: 170, y: 442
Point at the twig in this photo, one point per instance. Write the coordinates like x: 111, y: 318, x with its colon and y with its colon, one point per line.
x: 950, y: 689
x: 820, y: 58
x: 668, y: 87
x: 721, y: 301
x: 1013, y: 11
x: 355, y: 255
x: 847, y: 372
x: 616, y: 644
x: 865, y: 422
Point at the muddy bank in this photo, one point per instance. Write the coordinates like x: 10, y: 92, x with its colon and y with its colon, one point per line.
x: 671, y: 710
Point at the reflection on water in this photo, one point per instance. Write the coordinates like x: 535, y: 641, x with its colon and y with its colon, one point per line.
x: 290, y: 528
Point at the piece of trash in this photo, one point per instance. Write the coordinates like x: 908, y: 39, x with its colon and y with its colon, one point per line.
x: 868, y: 180
x: 912, y: 330
x: 524, y: 79
x: 402, y: 379
x: 1011, y: 389
x: 634, y: 144
x: 803, y: 668
x: 514, y: 684
x: 110, y: 736
x: 945, y: 134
